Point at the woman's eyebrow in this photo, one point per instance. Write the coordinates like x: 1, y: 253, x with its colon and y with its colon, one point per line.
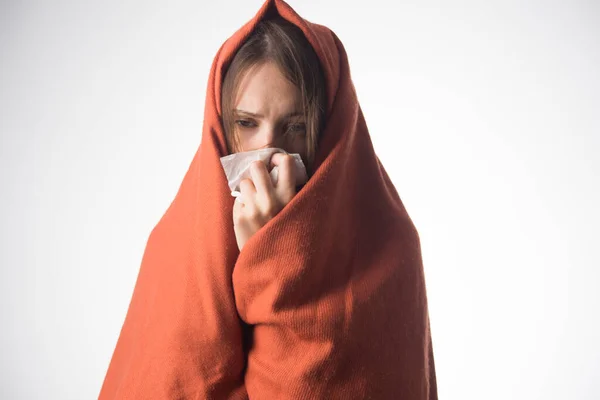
x: 288, y: 115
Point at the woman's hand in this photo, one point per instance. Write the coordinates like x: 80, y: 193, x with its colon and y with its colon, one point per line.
x: 260, y: 200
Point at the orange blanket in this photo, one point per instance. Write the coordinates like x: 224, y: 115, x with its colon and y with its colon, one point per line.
x: 326, y: 301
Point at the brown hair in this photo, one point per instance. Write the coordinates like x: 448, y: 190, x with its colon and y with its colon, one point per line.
x: 283, y: 43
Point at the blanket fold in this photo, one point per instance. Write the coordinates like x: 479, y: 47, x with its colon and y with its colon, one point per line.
x: 326, y: 301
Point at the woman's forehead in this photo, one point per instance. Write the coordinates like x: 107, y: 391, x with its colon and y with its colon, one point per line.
x: 265, y: 91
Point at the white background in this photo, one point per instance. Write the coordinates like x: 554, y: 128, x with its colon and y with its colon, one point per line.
x: 485, y: 114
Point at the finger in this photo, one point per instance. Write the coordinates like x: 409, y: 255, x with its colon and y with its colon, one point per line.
x: 286, y: 181
x: 247, y: 191
x: 282, y: 158
x: 262, y: 179
x: 301, y: 174
x: 238, y: 199
x: 237, y: 210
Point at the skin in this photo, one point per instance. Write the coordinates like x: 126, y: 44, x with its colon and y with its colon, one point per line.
x: 265, y: 91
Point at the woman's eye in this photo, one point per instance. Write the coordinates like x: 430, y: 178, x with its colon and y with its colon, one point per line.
x: 297, y: 127
x: 243, y: 123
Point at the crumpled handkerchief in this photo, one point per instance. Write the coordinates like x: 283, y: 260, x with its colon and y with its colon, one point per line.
x: 237, y: 166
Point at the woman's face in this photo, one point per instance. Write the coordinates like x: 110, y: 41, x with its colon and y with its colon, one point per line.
x: 268, y: 112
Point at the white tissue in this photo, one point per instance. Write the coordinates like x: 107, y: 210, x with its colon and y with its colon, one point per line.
x: 237, y: 166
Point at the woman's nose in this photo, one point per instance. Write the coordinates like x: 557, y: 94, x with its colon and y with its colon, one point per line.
x: 270, y: 138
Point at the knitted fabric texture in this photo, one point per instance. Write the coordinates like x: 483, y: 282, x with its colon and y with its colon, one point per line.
x: 326, y: 301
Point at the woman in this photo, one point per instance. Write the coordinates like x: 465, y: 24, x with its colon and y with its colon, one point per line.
x: 273, y: 96
x: 316, y: 293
